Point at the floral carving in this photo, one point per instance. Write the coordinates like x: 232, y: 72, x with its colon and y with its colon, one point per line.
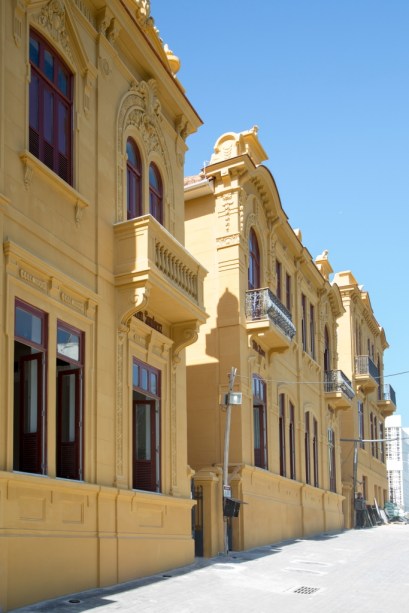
x: 52, y: 18
x: 141, y: 109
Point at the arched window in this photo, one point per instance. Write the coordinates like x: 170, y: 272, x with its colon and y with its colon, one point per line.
x: 327, y: 351
x: 50, y: 108
x: 133, y: 177
x: 155, y: 193
x: 254, y: 261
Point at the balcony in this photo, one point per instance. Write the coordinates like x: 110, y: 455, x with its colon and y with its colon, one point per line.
x: 268, y: 318
x: 386, y: 399
x: 338, y: 389
x: 149, y: 261
x: 366, y: 373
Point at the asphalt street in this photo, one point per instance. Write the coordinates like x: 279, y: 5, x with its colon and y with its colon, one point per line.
x: 356, y: 570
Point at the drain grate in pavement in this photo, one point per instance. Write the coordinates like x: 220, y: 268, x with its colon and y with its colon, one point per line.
x: 305, y: 589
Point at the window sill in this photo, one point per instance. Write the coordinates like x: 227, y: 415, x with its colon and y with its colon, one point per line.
x: 32, y: 164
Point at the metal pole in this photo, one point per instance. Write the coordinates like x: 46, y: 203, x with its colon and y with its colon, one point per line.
x: 232, y: 376
x: 355, y: 477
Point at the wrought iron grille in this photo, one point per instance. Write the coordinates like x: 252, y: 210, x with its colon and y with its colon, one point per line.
x: 337, y: 381
x: 261, y: 303
x: 388, y: 393
x: 365, y: 366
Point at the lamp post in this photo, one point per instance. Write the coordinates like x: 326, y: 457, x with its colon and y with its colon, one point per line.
x: 230, y: 398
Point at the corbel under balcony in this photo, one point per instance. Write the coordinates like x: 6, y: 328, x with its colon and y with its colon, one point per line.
x: 149, y: 261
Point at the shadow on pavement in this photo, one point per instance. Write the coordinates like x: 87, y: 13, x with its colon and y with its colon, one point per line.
x: 100, y: 597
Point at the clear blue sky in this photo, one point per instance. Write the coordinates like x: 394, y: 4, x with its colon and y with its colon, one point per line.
x: 327, y: 82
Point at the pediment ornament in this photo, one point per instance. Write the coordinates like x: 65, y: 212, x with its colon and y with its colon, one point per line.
x: 52, y: 18
x: 143, y: 12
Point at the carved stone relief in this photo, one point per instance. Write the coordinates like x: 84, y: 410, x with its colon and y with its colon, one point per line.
x: 141, y: 109
x: 52, y: 18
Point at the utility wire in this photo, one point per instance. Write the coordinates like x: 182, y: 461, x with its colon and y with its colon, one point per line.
x: 404, y: 372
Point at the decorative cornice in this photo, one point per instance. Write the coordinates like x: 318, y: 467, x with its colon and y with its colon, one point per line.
x: 30, y: 270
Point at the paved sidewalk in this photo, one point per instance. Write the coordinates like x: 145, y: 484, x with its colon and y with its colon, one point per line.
x: 357, y: 570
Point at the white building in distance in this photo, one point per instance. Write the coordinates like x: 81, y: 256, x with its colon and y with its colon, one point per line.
x: 397, y: 461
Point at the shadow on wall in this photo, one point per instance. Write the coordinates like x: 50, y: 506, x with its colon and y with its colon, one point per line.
x: 228, y: 315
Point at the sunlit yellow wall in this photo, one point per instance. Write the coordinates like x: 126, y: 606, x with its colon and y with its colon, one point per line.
x: 222, y: 206
x: 359, y: 319
x: 69, y: 251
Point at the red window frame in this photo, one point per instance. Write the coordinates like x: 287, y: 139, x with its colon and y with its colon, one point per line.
x: 304, y: 321
x: 260, y: 423
x: 312, y: 331
x: 155, y: 193
x: 307, y: 448
x: 134, y: 180
x: 254, y: 261
x: 315, y: 452
x: 279, y: 283
x: 327, y: 350
x: 31, y: 452
x: 146, y: 384
x: 281, y: 434
x: 50, y: 104
x: 288, y: 292
x: 70, y: 453
x: 332, y: 461
x: 361, y: 423
x: 292, y: 440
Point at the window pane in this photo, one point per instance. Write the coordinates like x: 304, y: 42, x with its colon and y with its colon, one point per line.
x: 143, y: 433
x: 257, y: 433
x: 62, y: 129
x: 68, y: 409
x: 34, y: 89
x: 48, y: 65
x: 48, y: 115
x: 34, y: 52
x: 153, y: 385
x: 153, y: 178
x: 62, y: 80
x: 144, y: 379
x: 135, y: 375
x: 131, y: 154
x: 30, y: 397
x: 28, y: 326
x: 68, y: 344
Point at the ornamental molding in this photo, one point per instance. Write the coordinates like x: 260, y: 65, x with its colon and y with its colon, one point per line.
x: 83, y: 8
x: 141, y: 109
x: 52, y: 19
x: 18, y: 27
x: 228, y: 241
x: 183, y: 335
x: 143, y: 13
x: 33, y: 272
x: 130, y: 301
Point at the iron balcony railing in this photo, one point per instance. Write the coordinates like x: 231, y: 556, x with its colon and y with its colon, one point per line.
x: 365, y: 366
x: 337, y: 381
x: 261, y: 303
x: 388, y: 393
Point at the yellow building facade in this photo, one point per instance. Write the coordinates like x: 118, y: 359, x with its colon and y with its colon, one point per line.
x: 273, y: 315
x: 362, y: 343
x: 98, y: 299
